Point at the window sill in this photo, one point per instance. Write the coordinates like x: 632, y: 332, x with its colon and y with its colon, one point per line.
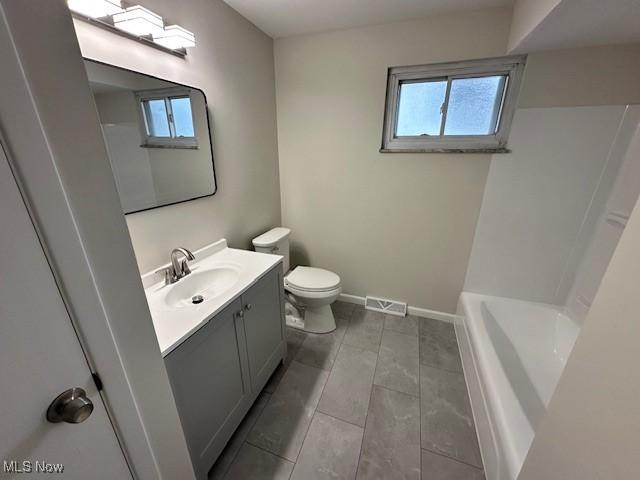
x: 445, y: 150
x: 182, y: 147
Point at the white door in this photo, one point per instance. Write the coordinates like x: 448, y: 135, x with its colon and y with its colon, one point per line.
x: 40, y: 358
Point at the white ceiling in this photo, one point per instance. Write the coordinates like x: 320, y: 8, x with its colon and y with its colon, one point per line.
x: 283, y: 18
x: 579, y: 23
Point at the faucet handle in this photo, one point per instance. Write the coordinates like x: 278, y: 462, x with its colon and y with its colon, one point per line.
x: 169, y: 275
x: 184, y: 266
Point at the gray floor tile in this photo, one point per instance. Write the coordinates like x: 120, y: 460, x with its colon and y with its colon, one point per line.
x: 320, y: 350
x: 294, y: 340
x: 437, y: 467
x: 348, y: 389
x: 379, y: 370
x: 399, y: 363
x: 343, y: 309
x: 446, y: 418
x: 407, y: 325
x: 365, y: 330
x: 438, y: 345
x: 330, y: 451
x: 284, y: 422
x: 235, y: 443
x: 256, y: 464
x: 391, y: 444
x: 430, y: 326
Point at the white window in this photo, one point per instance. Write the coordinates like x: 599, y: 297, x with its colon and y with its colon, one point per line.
x: 451, y: 107
x: 167, y: 118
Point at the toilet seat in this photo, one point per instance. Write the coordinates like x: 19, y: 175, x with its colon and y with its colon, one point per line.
x: 310, y: 279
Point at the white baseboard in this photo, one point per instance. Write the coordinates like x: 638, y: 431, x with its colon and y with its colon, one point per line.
x: 345, y: 297
x: 434, y: 314
x: 416, y: 311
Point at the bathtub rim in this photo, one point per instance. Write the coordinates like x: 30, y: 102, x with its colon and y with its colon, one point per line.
x: 491, y: 452
x: 489, y: 388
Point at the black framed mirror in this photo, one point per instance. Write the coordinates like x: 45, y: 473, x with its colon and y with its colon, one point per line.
x: 157, y: 135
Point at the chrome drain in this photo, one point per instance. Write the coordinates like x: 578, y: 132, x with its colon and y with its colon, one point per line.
x: 197, y: 299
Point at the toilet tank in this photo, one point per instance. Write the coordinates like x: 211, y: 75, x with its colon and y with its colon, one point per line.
x: 275, y: 241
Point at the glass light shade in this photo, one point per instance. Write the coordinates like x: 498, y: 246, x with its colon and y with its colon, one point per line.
x: 138, y: 21
x: 174, y: 36
x: 95, y: 8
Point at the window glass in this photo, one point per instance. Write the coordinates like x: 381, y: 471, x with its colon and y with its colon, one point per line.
x: 156, y: 116
x: 182, y: 117
x: 462, y: 106
x: 419, y: 108
x: 474, y: 105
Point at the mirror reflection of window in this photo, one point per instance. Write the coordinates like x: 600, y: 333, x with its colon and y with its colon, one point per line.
x: 167, y: 118
x: 182, y: 116
x: 155, y: 115
x: 157, y: 136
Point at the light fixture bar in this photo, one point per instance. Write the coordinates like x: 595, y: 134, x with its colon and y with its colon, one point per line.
x: 106, y: 25
x: 135, y: 22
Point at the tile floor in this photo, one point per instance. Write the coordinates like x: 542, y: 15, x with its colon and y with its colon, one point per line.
x: 381, y: 397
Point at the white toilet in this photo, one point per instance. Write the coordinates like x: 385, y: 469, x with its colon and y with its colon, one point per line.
x: 311, y: 290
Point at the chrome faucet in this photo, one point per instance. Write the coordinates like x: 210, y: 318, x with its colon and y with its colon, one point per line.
x: 178, y: 269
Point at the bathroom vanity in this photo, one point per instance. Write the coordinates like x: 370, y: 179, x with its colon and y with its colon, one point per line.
x: 219, y: 353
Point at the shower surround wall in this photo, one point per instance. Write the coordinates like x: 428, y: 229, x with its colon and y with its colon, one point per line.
x: 612, y: 220
x: 552, y: 214
x: 542, y: 201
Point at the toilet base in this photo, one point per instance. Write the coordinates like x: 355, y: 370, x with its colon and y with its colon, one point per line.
x: 313, y: 320
x: 293, y: 316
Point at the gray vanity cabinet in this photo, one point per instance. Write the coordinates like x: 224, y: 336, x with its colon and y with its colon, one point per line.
x: 209, y: 376
x: 263, y: 326
x: 217, y: 373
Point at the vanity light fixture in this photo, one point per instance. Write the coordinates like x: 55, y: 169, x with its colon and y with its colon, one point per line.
x: 174, y: 37
x: 95, y: 8
x: 134, y: 22
x: 138, y: 21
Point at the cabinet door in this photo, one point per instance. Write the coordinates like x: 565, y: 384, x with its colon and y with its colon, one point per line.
x: 264, y: 327
x: 210, y: 380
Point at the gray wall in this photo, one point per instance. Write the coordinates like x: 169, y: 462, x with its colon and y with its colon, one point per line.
x: 233, y: 64
x: 401, y: 225
x: 392, y: 225
x: 607, y: 75
x: 527, y: 14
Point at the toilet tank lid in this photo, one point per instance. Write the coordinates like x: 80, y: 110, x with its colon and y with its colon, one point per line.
x: 272, y: 237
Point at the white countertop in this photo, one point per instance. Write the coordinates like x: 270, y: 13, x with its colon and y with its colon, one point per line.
x: 174, y: 325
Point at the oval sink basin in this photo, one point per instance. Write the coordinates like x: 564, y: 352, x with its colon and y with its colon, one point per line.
x: 208, y: 284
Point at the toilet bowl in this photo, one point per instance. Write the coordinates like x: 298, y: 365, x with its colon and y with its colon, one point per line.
x: 314, y: 289
x: 310, y: 290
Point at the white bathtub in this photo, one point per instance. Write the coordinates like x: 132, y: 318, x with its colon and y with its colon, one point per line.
x: 513, y: 353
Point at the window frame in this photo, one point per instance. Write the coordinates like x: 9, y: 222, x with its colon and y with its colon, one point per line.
x: 165, y: 94
x: 511, y: 66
